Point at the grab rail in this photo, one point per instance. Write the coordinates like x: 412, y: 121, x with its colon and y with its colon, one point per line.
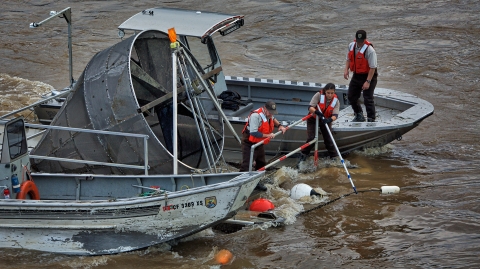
x: 62, y: 128
x: 72, y: 129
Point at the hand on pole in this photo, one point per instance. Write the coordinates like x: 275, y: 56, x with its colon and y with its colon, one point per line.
x: 327, y: 120
x: 319, y: 113
x: 283, y: 129
x: 270, y: 135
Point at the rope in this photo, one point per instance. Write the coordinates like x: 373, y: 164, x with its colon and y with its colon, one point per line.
x: 324, y: 204
x: 375, y: 189
x: 25, y: 170
x: 440, y: 185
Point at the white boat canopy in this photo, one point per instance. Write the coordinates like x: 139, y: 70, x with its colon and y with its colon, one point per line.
x: 162, y: 19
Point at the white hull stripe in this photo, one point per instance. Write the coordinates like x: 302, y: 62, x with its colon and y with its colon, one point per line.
x: 276, y: 81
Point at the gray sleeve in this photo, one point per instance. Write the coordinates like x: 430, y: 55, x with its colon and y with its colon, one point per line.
x: 315, y: 100
x: 255, y: 122
x: 349, y: 48
x: 336, y: 109
x: 371, y: 57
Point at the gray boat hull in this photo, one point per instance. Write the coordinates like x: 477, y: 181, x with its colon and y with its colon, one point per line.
x: 397, y: 113
x: 92, y: 218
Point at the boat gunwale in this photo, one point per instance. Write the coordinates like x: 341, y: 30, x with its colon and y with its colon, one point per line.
x: 402, y: 120
x: 237, y: 181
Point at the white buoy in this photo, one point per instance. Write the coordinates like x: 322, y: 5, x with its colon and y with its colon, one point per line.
x: 390, y: 189
x: 300, y: 190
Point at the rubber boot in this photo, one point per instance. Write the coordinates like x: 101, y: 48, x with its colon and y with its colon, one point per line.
x: 261, y: 187
x: 302, y: 158
x: 359, y: 117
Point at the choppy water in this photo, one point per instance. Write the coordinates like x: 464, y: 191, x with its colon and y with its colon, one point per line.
x: 429, y: 49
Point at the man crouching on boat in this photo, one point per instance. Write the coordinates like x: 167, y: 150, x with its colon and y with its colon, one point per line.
x: 259, y: 126
x: 329, y: 105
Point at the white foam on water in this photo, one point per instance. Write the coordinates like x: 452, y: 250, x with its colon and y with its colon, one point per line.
x: 17, y: 92
x: 279, y: 193
x: 203, y: 233
x: 158, y: 248
x: 308, y: 166
x: 88, y: 262
x: 375, y: 150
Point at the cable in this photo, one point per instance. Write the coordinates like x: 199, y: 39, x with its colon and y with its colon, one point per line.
x: 375, y: 189
x: 440, y: 185
x: 326, y: 203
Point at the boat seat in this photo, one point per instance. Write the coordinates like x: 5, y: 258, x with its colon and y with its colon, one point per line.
x: 240, y: 111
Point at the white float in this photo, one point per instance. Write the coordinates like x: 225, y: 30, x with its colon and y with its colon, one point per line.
x: 301, y: 190
x: 390, y: 189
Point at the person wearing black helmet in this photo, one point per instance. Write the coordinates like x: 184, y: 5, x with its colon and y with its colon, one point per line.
x: 362, y: 61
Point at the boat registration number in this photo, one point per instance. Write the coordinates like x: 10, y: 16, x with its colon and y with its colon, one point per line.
x: 182, y: 205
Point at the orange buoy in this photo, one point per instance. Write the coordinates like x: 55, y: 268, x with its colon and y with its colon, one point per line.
x: 261, y: 205
x: 28, y: 188
x: 223, y: 256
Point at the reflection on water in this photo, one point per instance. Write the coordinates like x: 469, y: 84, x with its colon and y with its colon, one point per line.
x: 428, y: 49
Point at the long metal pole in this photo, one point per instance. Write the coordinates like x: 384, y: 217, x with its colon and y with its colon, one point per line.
x: 215, y: 103
x: 315, y: 157
x: 204, y: 135
x: 340, y: 156
x: 145, y: 152
x: 288, y: 155
x: 268, y: 139
x: 201, y: 119
x: 187, y: 82
x: 196, y: 106
x: 67, y: 14
x: 68, y: 18
x: 175, y: 122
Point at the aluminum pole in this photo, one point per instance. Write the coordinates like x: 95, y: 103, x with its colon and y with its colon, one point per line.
x: 277, y: 133
x: 315, y: 157
x: 175, y: 121
x: 215, y: 103
x: 340, y: 156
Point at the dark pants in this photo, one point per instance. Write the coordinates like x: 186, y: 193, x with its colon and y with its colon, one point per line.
x: 258, y: 154
x: 327, y: 140
x: 355, y: 90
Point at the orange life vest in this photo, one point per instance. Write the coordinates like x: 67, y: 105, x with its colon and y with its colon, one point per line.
x: 327, y: 109
x: 265, y: 128
x: 358, y: 62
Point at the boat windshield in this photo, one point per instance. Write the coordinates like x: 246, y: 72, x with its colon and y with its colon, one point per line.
x: 205, y: 54
x: 17, y: 142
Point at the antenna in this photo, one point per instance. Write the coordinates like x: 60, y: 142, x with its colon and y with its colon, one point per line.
x: 67, y: 14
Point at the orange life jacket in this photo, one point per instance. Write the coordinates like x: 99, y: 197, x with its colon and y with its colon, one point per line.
x: 358, y: 62
x: 327, y: 109
x: 265, y: 128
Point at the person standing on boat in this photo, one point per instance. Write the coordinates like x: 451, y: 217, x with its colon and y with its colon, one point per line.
x: 329, y: 105
x: 362, y: 61
x: 259, y: 126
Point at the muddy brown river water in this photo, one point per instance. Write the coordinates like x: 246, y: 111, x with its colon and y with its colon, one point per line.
x: 426, y: 48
